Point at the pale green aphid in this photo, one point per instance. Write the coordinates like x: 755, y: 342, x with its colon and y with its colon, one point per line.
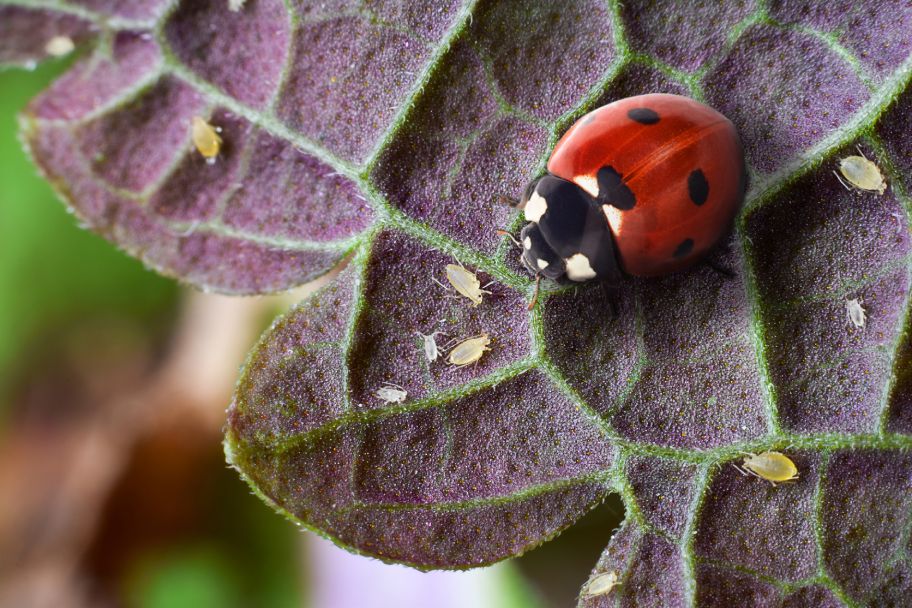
x: 855, y: 313
x: 771, y: 466
x: 431, y: 350
x: 58, y: 46
x: 465, y: 283
x: 206, y: 138
x: 469, y: 351
x: 601, y: 584
x: 861, y: 173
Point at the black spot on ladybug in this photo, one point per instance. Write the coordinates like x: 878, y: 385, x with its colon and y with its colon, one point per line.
x: 644, y: 116
x: 698, y: 187
x: 613, y: 191
x: 684, y: 248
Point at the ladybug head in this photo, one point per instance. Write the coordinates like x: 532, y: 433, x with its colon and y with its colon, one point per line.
x: 567, y: 237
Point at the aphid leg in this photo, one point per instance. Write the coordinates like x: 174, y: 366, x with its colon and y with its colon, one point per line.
x: 445, y: 288
x: 740, y: 470
x: 535, y: 293
x: 844, y: 185
x: 725, y: 271
x: 449, y: 344
x: 758, y: 476
x: 509, y: 236
x: 858, y: 147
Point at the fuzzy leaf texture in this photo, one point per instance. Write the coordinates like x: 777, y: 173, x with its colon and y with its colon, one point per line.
x: 382, y: 132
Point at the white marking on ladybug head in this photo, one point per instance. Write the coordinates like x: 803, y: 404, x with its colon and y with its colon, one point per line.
x: 536, y: 207
x: 527, y: 243
x: 579, y: 268
x: 542, y: 264
x: 588, y: 183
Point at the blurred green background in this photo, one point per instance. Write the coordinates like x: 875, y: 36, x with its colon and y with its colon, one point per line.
x: 63, y: 288
x: 51, y: 273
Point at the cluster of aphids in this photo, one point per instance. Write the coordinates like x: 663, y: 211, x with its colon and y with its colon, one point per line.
x: 208, y: 142
x: 463, y: 352
x: 859, y: 173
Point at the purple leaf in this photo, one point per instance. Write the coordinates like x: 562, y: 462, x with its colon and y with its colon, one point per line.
x: 382, y: 133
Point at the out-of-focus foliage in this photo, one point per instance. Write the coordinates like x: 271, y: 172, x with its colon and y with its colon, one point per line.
x: 51, y: 273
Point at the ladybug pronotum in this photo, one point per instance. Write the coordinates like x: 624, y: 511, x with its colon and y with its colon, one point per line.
x: 644, y: 186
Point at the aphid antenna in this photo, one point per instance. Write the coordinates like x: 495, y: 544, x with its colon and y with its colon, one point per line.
x: 385, y: 383
x: 858, y: 147
x: 844, y: 185
x: 488, y: 284
x: 740, y: 470
x: 535, y: 293
x: 432, y: 334
x: 509, y: 200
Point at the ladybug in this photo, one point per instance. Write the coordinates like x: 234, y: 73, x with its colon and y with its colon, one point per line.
x: 643, y: 186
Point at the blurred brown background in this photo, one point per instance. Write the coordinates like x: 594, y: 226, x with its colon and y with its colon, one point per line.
x: 113, y: 488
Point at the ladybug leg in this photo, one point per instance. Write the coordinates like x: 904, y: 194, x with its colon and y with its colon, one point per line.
x: 509, y: 236
x: 613, y: 295
x: 723, y: 247
x: 535, y: 294
x: 725, y: 271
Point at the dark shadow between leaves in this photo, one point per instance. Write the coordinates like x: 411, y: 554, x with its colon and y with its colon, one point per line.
x: 557, y: 568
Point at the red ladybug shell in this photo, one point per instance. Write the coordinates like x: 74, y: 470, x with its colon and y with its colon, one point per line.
x: 681, y: 160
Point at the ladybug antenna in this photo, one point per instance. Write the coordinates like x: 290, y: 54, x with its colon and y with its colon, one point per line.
x: 509, y: 236
x: 535, y: 295
x: 509, y: 200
